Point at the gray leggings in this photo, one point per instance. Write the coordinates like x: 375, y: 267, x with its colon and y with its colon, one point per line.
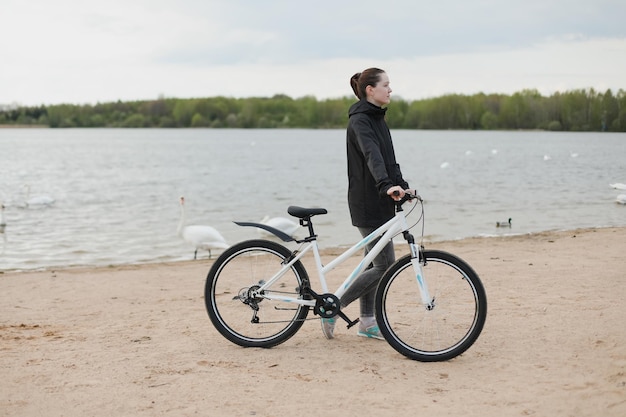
x: 364, y: 287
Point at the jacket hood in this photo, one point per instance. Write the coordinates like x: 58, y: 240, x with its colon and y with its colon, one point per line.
x: 364, y: 106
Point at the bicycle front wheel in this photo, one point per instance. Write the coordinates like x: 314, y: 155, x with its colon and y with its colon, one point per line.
x: 446, y: 328
x: 255, y: 321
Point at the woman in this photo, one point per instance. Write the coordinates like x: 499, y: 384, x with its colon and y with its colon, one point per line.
x: 373, y: 178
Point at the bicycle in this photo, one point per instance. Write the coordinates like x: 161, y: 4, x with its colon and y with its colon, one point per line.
x: 430, y: 305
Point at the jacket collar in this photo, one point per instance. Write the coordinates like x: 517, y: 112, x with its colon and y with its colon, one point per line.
x: 364, y: 106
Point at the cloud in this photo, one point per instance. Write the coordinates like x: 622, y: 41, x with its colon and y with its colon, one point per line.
x: 86, y: 51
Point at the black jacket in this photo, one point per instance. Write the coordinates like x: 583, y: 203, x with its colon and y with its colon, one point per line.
x: 372, y: 167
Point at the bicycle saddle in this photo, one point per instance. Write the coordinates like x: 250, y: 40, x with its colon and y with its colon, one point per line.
x: 301, y: 212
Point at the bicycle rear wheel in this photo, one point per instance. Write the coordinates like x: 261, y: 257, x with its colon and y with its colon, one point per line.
x: 446, y: 330
x: 255, y: 321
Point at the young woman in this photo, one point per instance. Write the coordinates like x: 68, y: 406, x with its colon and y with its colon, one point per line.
x: 373, y: 177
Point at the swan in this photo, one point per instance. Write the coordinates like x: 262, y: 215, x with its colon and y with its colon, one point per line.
x: 547, y: 157
x: 3, y: 223
x: 621, y: 199
x: 37, y: 201
x: 281, y: 223
x: 504, y: 224
x: 618, y: 186
x: 201, y: 237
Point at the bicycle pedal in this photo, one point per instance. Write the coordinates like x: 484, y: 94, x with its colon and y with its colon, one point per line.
x: 352, y: 323
x: 347, y: 320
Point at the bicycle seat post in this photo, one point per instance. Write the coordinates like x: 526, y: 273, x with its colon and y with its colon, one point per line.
x: 305, y: 214
x: 308, y: 223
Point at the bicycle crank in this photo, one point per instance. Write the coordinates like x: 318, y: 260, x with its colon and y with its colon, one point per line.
x: 328, y: 305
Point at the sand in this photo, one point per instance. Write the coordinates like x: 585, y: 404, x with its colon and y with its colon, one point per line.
x: 136, y: 341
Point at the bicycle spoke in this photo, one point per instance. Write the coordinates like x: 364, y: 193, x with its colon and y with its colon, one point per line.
x: 444, y: 331
x: 248, y: 318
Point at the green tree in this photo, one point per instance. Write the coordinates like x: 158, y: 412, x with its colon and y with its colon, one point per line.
x: 517, y: 111
x: 134, y: 120
x: 183, y: 112
x: 413, y: 117
x: 397, y: 113
x: 489, y: 121
x: 199, y: 120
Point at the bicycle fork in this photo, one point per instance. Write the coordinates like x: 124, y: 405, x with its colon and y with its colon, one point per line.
x: 418, y: 265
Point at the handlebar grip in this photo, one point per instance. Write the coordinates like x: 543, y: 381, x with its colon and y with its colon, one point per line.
x: 407, y: 196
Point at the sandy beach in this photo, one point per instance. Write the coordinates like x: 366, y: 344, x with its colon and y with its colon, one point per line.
x: 136, y: 341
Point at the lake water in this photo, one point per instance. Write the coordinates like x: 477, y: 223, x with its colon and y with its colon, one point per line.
x: 117, y: 191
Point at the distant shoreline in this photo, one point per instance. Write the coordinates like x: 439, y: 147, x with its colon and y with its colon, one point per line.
x: 569, y: 111
x: 24, y: 127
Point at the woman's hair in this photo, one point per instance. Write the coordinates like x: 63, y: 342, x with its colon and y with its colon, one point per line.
x: 361, y: 80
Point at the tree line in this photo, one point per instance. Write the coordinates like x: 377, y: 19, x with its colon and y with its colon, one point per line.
x: 577, y: 110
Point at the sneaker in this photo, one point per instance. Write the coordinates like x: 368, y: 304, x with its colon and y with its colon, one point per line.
x: 372, y: 332
x: 328, y: 327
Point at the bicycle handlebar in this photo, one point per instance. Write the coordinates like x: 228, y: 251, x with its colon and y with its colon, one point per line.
x: 407, y: 196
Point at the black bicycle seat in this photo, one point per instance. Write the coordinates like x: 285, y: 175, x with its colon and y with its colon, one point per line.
x: 301, y: 212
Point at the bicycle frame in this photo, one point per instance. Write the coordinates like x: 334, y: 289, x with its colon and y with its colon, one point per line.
x: 386, y: 232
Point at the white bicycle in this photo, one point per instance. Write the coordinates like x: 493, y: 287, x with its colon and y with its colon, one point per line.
x: 430, y: 305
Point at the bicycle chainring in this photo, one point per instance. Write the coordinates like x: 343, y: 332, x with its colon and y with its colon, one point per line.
x: 327, y: 306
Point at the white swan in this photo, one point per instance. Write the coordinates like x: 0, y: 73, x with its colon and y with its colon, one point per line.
x: 201, y: 237
x: 3, y: 223
x: 37, y: 201
x: 504, y: 224
x: 621, y: 199
x: 281, y: 223
x: 618, y: 186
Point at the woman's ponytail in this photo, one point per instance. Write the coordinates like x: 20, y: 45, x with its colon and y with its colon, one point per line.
x: 361, y: 80
x: 354, y: 83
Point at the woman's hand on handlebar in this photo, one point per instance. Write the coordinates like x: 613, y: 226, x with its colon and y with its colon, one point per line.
x: 397, y: 193
x: 411, y: 194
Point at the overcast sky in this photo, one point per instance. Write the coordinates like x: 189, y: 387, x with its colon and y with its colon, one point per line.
x: 83, y: 51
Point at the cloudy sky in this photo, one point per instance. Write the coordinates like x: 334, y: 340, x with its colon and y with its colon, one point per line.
x: 84, y: 51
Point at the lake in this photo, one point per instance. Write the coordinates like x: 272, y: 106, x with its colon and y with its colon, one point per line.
x: 116, y: 191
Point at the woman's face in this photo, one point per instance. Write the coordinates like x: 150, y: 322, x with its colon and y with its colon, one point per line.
x: 381, y: 93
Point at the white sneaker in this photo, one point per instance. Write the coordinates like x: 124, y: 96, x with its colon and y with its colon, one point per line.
x: 328, y: 327
x: 372, y: 332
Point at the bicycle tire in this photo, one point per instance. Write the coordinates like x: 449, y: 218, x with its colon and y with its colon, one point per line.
x: 241, y: 267
x: 446, y: 331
